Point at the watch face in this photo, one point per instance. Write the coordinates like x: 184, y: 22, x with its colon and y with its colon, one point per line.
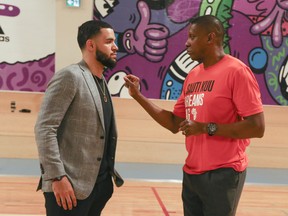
x: 212, y: 128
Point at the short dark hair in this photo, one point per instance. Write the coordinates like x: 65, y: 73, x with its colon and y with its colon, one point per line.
x: 210, y: 23
x: 90, y: 29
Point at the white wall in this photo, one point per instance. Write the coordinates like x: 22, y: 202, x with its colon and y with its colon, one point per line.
x: 67, y: 21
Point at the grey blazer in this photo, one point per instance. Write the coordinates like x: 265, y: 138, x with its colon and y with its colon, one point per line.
x: 70, y: 132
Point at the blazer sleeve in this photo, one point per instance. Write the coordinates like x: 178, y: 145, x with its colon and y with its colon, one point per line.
x: 57, y: 99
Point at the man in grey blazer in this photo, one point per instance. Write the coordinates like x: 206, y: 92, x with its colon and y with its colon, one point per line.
x: 76, y: 132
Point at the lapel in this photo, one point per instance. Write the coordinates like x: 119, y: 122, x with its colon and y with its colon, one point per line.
x: 93, y: 90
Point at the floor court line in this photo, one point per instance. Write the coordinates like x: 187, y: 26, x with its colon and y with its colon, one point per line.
x: 160, y: 201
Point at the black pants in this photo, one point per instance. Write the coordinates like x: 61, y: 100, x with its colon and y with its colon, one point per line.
x: 92, y: 206
x: 214, y: 193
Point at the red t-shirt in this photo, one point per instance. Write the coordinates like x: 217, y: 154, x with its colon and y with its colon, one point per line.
x: 222, y: 93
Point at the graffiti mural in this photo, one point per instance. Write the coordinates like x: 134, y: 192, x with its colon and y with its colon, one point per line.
x: 151, y: 36
x: 27, y: 44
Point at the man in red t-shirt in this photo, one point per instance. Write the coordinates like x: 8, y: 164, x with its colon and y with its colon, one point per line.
x: 218, y: 110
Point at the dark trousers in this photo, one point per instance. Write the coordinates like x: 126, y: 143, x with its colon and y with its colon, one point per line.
x: 92, y: 206
x: 214, y: 193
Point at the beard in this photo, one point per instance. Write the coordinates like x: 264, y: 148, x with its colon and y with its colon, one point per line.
x: 105, y: 60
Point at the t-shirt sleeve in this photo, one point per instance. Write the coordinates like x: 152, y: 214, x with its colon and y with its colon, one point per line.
x: 246, y: 93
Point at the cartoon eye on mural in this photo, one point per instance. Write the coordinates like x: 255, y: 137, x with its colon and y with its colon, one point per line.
x: 9, y: 10
x: 26, y: 62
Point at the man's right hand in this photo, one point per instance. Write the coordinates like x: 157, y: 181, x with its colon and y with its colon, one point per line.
x: 64, y: 193
x: 133, y: 84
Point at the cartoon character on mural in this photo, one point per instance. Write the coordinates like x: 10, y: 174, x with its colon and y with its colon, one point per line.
x: 27, y: 51
x: 256, y: 34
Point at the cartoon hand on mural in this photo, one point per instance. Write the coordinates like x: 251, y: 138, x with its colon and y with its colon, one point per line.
x: 149, y: 40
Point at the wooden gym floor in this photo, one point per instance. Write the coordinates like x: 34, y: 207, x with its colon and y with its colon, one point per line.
x: 140, y: 198
x: 149, y: 190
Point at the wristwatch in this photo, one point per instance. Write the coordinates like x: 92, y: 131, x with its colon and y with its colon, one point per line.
x: 211, y: 128
x: 58, y: 178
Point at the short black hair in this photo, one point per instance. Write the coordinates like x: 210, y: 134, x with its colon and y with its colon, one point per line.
x: 90, y: 29
x: 210, y: 23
